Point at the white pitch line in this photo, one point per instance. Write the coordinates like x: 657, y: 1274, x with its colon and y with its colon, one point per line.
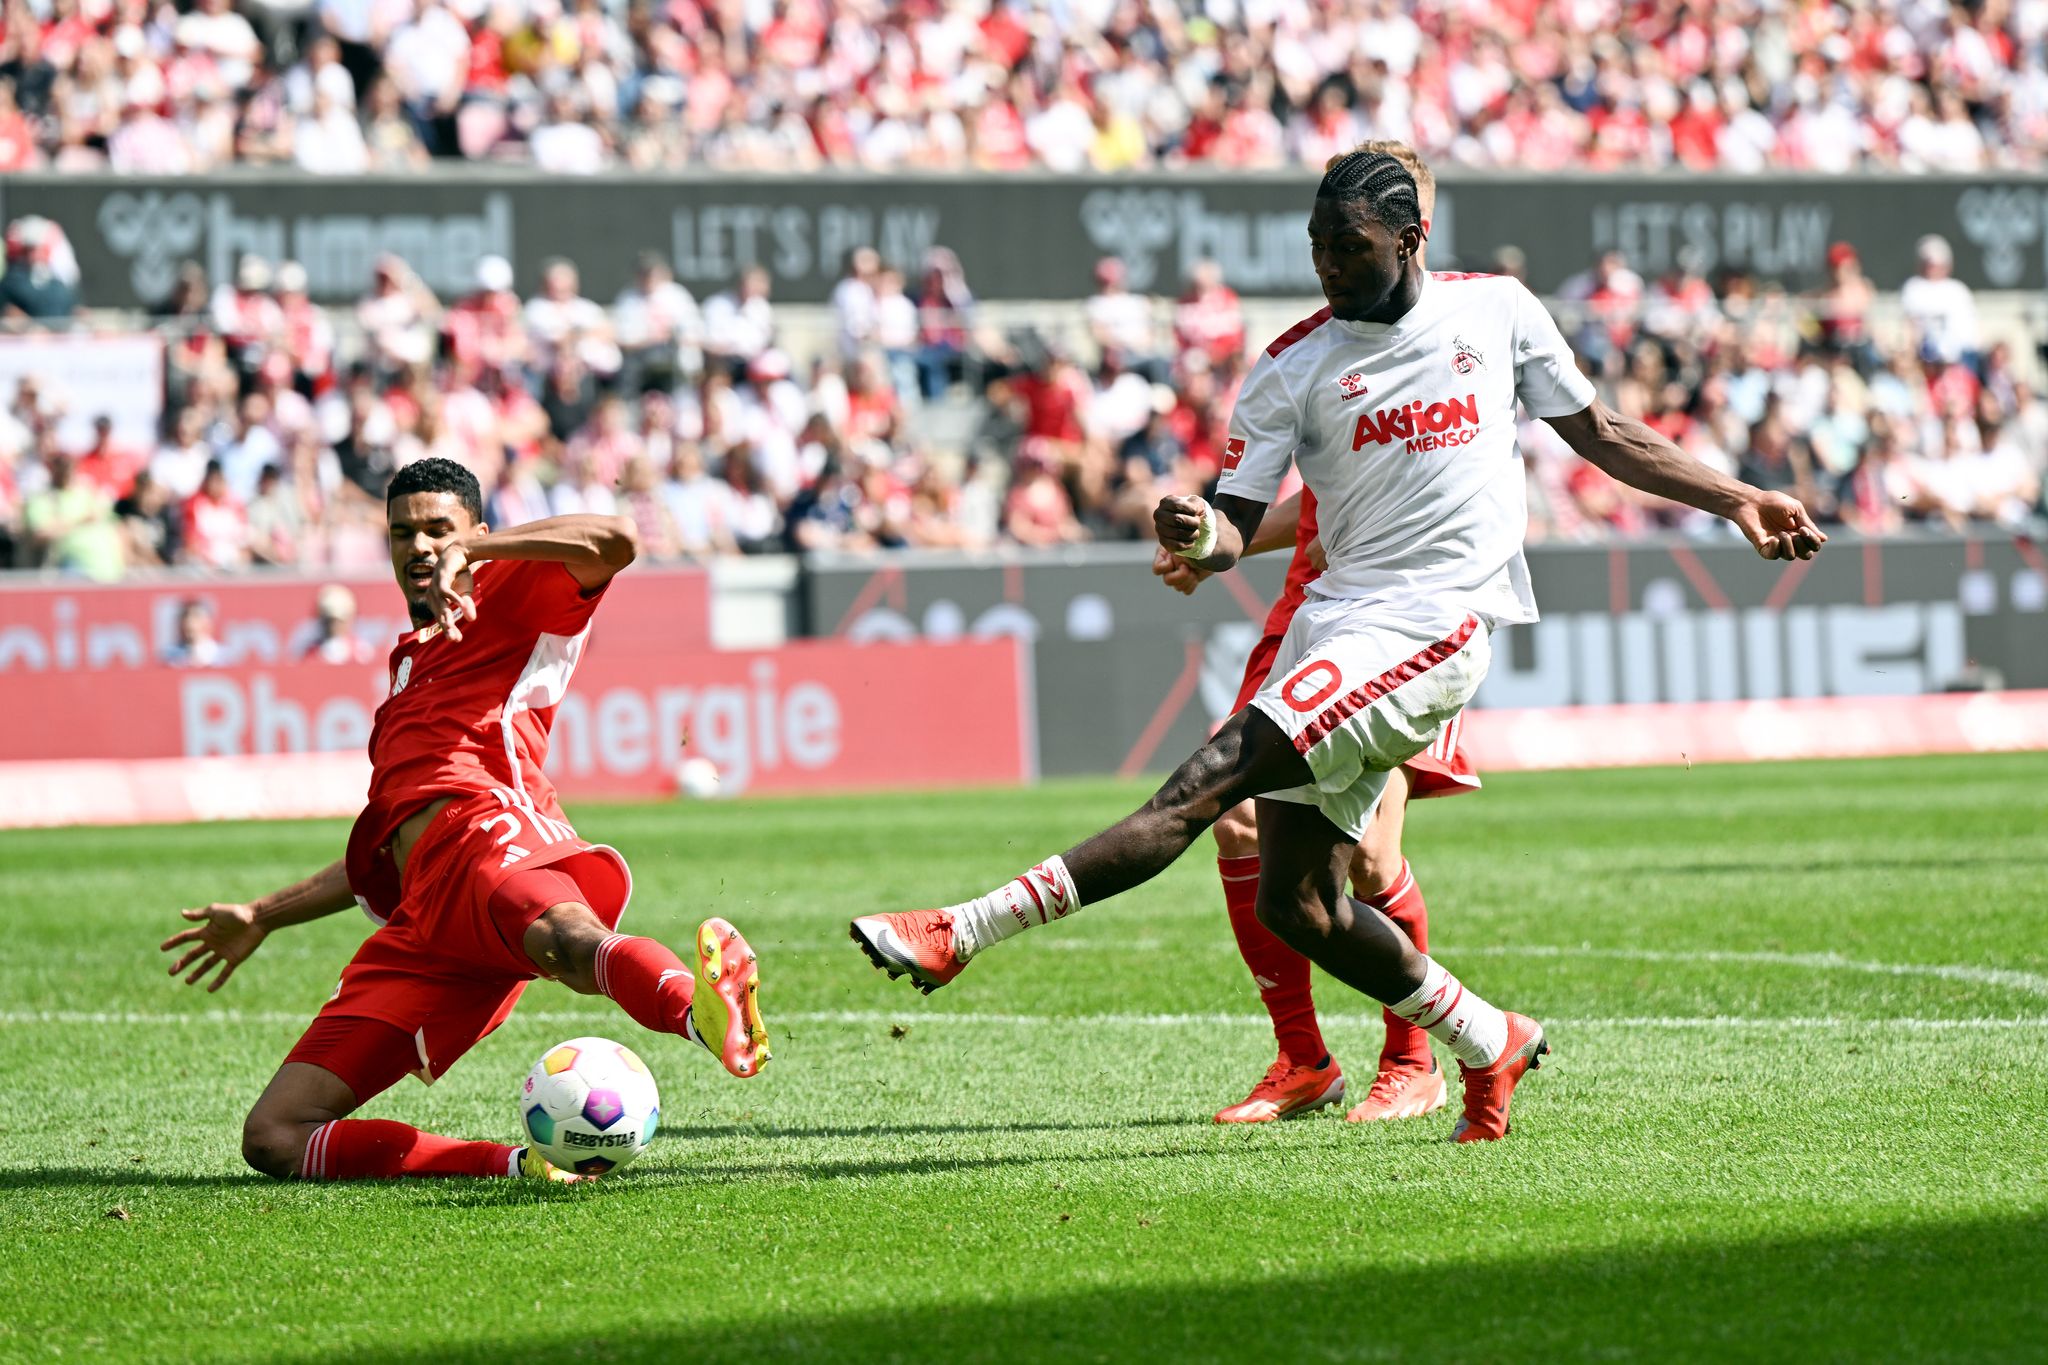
x: 974, y: 1019
x: 2032, y: 983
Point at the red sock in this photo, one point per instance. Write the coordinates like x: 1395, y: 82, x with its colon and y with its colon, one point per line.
x: 1407, y: 1047
x: 380, y: 1149
x: 1281, y: 973
x: 648, y: 982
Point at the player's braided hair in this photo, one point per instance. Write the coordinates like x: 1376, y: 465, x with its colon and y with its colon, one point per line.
x: 436, y: 475
x: 1385, y: 185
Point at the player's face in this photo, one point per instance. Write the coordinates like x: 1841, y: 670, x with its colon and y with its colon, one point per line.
x: 1358, y: 260
x: 422, y: 524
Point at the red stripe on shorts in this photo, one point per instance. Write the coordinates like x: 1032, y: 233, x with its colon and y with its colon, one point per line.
x: 1408, y: 670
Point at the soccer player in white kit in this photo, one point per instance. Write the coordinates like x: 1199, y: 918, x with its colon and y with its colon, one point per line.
x: 1398, y: 403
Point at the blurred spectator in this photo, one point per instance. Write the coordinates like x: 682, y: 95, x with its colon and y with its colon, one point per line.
x: 1209, y: 318
x: 41, y: 279
x: 107, y: 465
x: 399, y: 317
x: 216, y: 531
x: 334, y: 630
x: 70, y: 524
x: 853, y: 300
x: 1940, y: 307
x: 1120, y: 320
x: 149, y: 524
x: 197, y: 644
x: 945, y: 316
x: 658, y: 327
x: 276, y: 519
x: 740, y: 325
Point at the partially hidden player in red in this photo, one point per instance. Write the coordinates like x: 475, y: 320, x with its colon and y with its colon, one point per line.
x: 1304, y: 1077
x: 464, y: 858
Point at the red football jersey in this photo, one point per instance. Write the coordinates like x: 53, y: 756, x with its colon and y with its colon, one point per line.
x: 1300, y: 571
x: 471, y: 715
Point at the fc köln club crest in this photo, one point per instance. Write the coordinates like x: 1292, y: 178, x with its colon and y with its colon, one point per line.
x: 1464, y: 358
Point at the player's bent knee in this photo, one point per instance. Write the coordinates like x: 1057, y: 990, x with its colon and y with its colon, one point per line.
x: 563, y: 943
x: 1237, y: 833
x: 1290, y: 920
x: 272, y: 1147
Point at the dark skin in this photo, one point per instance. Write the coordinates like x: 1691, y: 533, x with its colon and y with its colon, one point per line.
x: 434, y: 540
x: 1368, y: 273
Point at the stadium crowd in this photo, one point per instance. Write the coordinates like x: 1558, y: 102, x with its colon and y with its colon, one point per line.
x: 692, y: 418
x: 576, y: 86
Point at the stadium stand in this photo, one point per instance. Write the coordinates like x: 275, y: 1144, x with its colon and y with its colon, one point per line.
x: 354, y: 85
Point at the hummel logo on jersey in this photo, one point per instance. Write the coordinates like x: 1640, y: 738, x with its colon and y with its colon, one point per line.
x: 1233, y: 453
x: 1465, y: 358
x: 1424, y: 426
x: 1351, y: 385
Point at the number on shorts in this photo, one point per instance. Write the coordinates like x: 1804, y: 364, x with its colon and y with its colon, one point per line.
x: 1314, y: 683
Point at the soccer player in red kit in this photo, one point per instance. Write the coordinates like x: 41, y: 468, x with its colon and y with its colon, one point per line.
x: 464, y: 858
x: 1304, y: 1076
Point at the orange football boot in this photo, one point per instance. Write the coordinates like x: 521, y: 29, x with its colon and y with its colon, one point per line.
x: 1488, y: 1089
x: 1287, y: 1090
x: 726, y: 1008
x: 913, y: 943
x: 1401, y: 1093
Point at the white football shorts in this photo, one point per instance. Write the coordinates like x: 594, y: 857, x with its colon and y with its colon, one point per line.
x: 1360, y: 696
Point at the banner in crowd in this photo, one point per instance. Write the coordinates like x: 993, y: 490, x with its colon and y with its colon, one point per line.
x: 1132, y: 676
x: 85, y: 378
x: 64, y: 626
x: 806, y: 717
x: 132, y: 232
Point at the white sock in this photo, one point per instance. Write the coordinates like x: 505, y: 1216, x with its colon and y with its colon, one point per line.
x: 1044, y: 893
x: 1455, y: 1017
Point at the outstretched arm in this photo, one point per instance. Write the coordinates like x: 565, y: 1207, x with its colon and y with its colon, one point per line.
x: 1776, y: 524
x: 593, y: 548
x: 226, y: 932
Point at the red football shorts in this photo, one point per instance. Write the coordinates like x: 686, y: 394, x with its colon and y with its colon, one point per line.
x: 451, y: 963
x: 1443, y: 769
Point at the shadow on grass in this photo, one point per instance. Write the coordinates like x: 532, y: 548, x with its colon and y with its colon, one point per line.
x: 704, y: 1131
x: 126, y: 1178
x: 1966, y: 1291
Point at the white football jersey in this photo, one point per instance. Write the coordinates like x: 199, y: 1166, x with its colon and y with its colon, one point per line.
x: 1405, y: 432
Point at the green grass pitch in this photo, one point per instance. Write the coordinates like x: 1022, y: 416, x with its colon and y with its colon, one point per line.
x: 1798, y: 1108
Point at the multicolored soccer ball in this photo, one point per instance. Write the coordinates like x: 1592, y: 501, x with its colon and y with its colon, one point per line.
x: 589, y: 1105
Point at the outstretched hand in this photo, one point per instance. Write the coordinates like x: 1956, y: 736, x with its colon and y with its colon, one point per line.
x: 224, y: 937
x: 1179, y: 574
x: 1779, y: 527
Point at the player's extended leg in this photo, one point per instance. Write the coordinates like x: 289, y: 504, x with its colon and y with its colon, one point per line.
x: 1248, y: 755
x: 1304, y: 1076
x: 1408, y: 1082
x: 299, y: 1126
x: 717, y: 1004
x: 1305, y: 859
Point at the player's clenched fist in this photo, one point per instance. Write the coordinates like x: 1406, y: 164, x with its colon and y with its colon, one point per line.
x: 224, y: 937
x: 1178, y: 521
